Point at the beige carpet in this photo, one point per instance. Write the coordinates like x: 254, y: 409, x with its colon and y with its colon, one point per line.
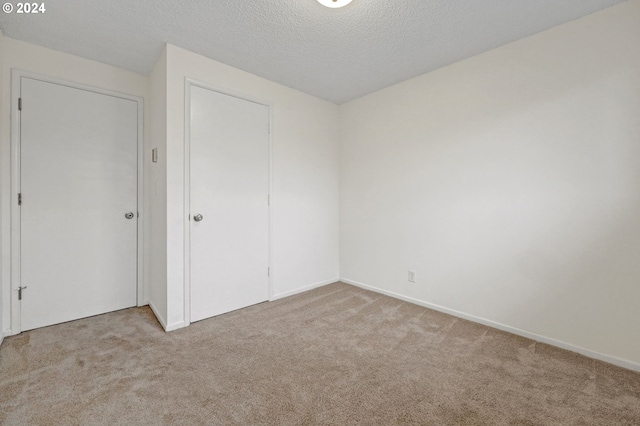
x: 337, y: 355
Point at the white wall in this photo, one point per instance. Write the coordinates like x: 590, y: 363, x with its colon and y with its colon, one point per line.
x: 156, y: 179
x: 305, y: 169
x: 510, y: 182
x: 50, y: 63
x: 305, y: 187
x: 4, y: 222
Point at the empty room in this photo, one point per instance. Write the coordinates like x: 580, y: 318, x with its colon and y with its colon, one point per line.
x: 332, y: 212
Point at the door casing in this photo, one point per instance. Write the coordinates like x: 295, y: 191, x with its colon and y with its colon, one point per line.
x: 188, y: 83
x: 15, y: 280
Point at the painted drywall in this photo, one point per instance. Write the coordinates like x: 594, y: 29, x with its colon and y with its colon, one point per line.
x: 5, y: 246
x: 156, y: 180
x: 510, y: 182
x: 305, y: 186
x: 50, y: 63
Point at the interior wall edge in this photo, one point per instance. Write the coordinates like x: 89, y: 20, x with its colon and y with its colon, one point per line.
x: 630, y: 365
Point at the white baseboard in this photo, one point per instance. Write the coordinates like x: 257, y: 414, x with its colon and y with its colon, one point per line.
x: 175, y: 326
x: 1, y: 337
x: 302, y: 289
x: 163, y: 322
x: 159, y: 317
x: 630, y: 365
x: 182, y: 324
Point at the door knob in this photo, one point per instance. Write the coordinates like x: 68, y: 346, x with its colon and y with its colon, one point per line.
x: 129, y: 215
x: 198, y: 217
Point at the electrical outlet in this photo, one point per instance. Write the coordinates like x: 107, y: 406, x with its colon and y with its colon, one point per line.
x: 412, y: 276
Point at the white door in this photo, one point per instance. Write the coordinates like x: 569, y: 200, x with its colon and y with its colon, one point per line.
x: 78, y: 179
x: 229, y: 180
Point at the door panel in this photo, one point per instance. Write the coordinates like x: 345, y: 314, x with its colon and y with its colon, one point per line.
x: 229, y: 187
x: 78, y: 162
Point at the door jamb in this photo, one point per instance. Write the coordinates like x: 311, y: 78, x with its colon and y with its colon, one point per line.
x: 15, y: 280
x: 188, y: 83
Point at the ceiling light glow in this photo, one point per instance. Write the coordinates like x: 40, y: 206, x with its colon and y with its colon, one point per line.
x: 334, y: 4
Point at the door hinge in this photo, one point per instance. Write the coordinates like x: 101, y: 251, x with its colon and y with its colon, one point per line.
x: 268, y: 271
x: 20, y: 198
x: 19, y: 104
x: 20, y: 292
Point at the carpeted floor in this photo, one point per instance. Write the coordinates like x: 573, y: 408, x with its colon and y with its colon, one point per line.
x: 337, y: 355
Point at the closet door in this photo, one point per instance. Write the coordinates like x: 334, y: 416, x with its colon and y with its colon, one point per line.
x: 229, y: 190
x: 79, y: 195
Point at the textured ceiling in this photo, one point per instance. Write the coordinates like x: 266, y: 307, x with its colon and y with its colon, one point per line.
x: 334, y: 54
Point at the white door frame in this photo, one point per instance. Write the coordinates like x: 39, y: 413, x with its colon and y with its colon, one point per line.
x: 188, y: 83
x: 15, y: 281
